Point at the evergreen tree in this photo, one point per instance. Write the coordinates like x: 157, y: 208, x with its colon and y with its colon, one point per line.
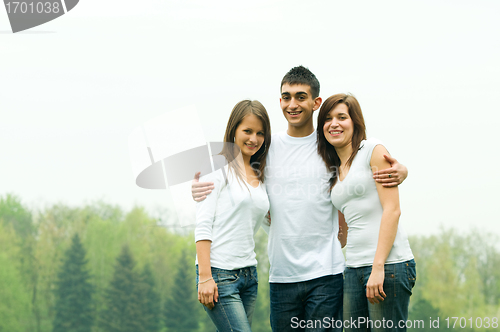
x: 74, y: 292
x: 151, y: 311
x: 125, y: 298
x: 182, y: 307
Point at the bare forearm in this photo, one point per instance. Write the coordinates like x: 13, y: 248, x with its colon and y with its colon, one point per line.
x: 203, y: 251
x: 387, y: 234
x: 389, y: 199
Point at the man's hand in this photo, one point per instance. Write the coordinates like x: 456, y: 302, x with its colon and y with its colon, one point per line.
x: 200, y: 190
x: 393, y: 176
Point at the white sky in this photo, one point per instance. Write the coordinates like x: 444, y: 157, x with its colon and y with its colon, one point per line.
x: 427, y: 75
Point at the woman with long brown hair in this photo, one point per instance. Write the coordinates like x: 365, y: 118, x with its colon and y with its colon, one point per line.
x: 228, y: 219
x: 380, y: 271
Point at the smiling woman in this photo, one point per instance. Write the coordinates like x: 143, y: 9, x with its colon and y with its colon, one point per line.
x: 228, y: 219
x: 380, y: 271
x: 249, y: 137
x: 338, y: 117
x: 248, y: 126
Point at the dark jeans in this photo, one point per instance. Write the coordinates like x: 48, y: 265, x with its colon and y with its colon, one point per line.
x: 388, y: 315
x: 237, y: 295
x: 313, y: 305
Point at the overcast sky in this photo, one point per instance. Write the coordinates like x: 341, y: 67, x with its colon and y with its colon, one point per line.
x: 426, y: 73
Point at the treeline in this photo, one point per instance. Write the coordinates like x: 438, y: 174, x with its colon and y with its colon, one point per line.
x: 458, y: 281
x: 97, y: 268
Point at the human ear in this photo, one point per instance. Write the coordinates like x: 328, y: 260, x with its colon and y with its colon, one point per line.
x: 317, y: 103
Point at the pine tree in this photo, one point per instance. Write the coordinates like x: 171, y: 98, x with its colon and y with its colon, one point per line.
x: 74, y: 292
x: 125, y: 298
x: 152, y: 309
x: 182, y: 308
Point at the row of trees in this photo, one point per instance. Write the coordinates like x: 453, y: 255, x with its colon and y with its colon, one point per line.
x: 457, y: 276
x: 132, y: 303
x: 96, y: 268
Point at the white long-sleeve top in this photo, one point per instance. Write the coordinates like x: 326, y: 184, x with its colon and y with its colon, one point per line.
x: 229, y: 217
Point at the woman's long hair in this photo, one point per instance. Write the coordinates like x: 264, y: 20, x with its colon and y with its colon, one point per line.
x: 258, y: 160
x: 325, y: 149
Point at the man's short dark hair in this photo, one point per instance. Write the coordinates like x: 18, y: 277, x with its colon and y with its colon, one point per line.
x: 302, y: 75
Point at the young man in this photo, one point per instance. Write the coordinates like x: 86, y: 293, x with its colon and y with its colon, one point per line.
x: 306, y: 282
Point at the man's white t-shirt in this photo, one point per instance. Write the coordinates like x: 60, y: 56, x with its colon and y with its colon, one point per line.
x: 303, y: 242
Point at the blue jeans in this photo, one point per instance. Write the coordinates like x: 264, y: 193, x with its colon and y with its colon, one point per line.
x: 313, y: 305
x: 237, y: 295
x: 388, y: 315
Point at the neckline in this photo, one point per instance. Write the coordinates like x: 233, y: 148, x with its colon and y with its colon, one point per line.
x: 349, y: 172
x: 299, y: 140
x: 258, y: 185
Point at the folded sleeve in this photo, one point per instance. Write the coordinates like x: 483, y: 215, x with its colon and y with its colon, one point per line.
x: 206, y: 209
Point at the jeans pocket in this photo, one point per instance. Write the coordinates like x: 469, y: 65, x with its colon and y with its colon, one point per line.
x: 411, y: 272
x: 226, y: 277
x: 254, y: 274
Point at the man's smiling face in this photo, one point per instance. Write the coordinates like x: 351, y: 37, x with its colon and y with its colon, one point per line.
x: 297, y: 104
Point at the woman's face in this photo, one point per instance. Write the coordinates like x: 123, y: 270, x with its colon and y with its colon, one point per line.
x: 338, y: 128
x: 249, y: 135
